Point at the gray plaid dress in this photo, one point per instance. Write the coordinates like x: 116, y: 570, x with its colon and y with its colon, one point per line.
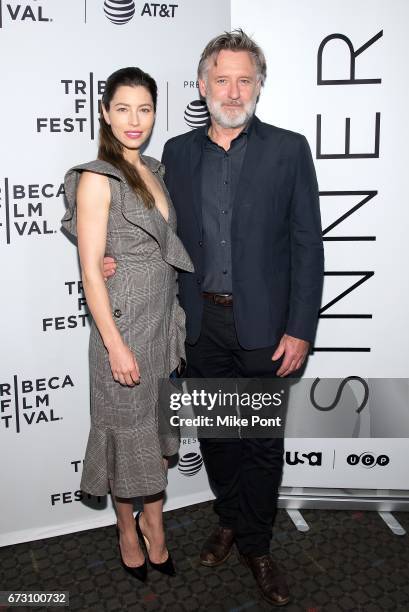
x: 124, y: 444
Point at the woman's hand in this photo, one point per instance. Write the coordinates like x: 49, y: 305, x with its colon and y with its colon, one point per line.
x: 124, y: 366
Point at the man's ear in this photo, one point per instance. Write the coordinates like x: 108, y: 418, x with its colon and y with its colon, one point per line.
x: 104, y: 112
x: 202, y: 88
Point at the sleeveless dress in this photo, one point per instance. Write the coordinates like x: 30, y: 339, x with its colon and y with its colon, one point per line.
x: 124, y: 444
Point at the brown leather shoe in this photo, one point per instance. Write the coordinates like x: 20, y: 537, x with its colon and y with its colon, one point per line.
x: 270, y: 581
x: 217, y: 547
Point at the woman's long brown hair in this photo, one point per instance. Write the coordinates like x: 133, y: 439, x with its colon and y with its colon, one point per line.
x: 110, y: 149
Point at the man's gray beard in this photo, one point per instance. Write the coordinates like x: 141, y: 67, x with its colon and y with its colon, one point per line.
x: 225, y: 120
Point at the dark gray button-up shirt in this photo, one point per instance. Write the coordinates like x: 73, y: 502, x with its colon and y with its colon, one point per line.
x: 220, y: 176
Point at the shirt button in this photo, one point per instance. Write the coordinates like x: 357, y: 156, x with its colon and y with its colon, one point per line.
x: 224, y: 212
x: 224, y: 271
x: 223, y: 243
x: 226, y: 182
x: 199, y: 282
x: 200, y: 243
x: 117, y: 313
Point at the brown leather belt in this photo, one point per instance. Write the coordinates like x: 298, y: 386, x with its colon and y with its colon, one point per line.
x: 224, y: 299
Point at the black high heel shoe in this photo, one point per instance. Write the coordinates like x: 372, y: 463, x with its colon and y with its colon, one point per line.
x: 166, y: 567
x: 140, y: 572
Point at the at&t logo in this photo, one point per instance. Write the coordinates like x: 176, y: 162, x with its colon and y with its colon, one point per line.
x: 190, y: 464
x: 120, y: 12
x: 196, y: 114
x: 368, y: 460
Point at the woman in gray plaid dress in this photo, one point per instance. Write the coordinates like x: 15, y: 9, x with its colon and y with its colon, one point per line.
x: 118, y: 206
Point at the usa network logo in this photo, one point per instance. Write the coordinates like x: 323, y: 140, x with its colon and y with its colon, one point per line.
x: 121, y: 12
x: 13, y: 12
x: 296, y: 458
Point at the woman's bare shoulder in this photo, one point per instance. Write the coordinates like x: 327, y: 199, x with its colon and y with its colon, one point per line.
x: 93, y: 185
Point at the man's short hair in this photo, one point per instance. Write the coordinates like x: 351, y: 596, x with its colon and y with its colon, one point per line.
x: 237, y: 40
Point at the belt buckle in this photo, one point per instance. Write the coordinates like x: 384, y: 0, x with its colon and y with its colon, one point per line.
x: 224, y: 299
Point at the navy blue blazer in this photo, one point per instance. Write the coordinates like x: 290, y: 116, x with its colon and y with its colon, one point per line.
x: 277, y: 251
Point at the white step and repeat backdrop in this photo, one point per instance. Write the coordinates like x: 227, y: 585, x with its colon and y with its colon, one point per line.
x: 326, y: 63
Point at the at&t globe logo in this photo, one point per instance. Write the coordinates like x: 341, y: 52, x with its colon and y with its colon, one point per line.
x: 190, y: 464
x: 119, y: 11
x: 196, y: 114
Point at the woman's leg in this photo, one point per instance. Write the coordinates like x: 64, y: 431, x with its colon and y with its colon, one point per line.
x: 131, y: 552
x: 151, y: 523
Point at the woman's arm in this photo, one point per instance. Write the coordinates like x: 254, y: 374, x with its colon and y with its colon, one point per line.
x: 93, y: 201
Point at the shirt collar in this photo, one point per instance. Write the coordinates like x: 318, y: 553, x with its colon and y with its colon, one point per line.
x: 245, y: 131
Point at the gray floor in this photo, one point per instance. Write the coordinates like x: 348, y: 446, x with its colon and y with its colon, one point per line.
x: 348, y: 561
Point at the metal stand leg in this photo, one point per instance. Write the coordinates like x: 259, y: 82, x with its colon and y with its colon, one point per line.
x: 392, y: 523
x: 298, y: 520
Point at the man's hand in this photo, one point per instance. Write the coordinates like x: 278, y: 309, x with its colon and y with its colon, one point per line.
x: 294, y: 351
x: 109, y: 267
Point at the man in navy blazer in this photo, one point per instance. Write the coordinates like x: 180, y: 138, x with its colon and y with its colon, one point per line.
x: 247, y: 203
x: 276, y: 243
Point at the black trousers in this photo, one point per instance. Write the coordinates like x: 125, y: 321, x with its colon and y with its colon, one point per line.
x: 244, y: 473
